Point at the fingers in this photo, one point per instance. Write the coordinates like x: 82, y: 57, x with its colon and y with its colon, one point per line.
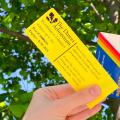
x: 55, y: 92
x: 79, y: 98
x: 62, y: 90
x: 85, y: 114
x: 78, y: 110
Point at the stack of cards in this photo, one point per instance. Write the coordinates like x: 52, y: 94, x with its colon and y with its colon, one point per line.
x: 108, y: 54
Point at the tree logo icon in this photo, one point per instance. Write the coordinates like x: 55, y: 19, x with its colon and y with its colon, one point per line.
x: 51, y: 18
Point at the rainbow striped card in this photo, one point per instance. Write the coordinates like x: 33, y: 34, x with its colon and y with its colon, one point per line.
x: 108, y: 54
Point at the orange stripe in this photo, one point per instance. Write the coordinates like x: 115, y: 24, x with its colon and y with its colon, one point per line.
x: 109, y: 53
x: 102, y: 37
x: 109, y: 47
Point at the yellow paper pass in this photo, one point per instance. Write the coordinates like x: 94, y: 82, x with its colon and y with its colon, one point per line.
x: 69, y: 55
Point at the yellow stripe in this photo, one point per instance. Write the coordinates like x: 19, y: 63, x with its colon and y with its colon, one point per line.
x: 109, y: 53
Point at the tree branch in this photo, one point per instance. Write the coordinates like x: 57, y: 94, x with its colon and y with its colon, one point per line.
x: 16, y: 34
x: 96, y: 11
x: 114, y: 9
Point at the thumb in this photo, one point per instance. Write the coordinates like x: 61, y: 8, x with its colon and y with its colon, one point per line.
x: 77, y: 99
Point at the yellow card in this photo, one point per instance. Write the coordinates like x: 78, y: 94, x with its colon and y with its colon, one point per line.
x: 69, y: 55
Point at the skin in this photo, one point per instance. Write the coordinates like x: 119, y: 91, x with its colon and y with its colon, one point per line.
x: 61, y: 102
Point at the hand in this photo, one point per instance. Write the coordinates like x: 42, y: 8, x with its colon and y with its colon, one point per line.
x: 61, y: 102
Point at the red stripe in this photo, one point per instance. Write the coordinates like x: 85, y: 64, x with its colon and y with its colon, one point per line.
x: 111, y: 50
x: 105, y: 41
x: 109, y: 53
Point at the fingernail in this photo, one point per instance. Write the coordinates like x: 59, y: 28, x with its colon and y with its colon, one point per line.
x: 95, y: 90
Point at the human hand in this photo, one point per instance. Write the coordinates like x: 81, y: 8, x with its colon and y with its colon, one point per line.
x: 61, y: 102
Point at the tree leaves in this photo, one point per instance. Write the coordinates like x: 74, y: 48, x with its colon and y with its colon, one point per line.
x: 20, y: 105
x: 9, y: 18
x: 18, y: 54
x: 27, y: 2
x: 2, y: 104
x: 4, y: 5
x: 18, y: 109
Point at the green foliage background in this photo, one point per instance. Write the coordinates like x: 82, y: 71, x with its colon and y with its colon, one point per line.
x: 19, y: 54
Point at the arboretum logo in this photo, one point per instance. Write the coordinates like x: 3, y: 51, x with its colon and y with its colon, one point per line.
x: 51, y: 18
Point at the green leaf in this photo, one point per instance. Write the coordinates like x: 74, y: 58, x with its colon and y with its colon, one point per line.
x: 9, y: 18
x: 24, y: 74
x: 83, y: 31
x: 101, y: 26
x: 26, y: 97
x: 2, y: 104
x: 27, y: 2
x: 88, y: 25
x: 78, y: 19
x: 64, y: 15
x: 4, y: 5
x: 18, y: 109
x: 110, y: 26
